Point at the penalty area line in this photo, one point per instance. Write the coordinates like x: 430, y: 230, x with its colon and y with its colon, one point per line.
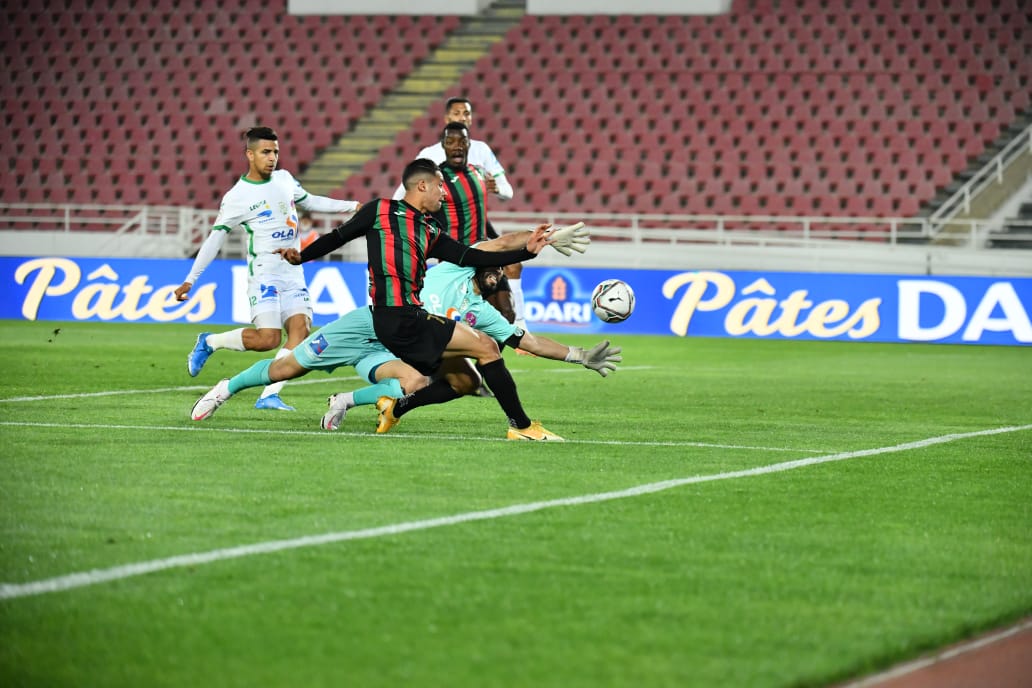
x: 96, y: 576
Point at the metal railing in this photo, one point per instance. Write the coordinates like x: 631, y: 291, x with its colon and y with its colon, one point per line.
x: 183, y: 229
x: 991, y: 173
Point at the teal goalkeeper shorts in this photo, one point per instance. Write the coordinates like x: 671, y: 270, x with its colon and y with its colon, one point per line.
x: 347, y: 341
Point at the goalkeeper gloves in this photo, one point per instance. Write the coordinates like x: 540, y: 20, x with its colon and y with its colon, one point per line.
x: 599, y: 358
x: 567, y: 239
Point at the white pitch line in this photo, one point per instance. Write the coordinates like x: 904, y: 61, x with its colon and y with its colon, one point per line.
x: 316, y: 380
x: 163, y: 390
x: 95, y: 576
x: 393, y: 435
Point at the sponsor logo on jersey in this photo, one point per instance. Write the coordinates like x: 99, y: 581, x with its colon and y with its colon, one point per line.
x: 288, y: 234
x: 318, y: 345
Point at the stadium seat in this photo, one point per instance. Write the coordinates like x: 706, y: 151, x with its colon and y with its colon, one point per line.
x: 808, y: 100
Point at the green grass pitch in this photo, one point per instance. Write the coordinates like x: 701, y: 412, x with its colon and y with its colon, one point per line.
x: 435, y: 572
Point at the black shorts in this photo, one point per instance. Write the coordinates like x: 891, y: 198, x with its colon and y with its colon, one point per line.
x: 413, y: 335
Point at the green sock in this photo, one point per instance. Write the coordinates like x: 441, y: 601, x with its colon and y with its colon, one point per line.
x: 255, y: 376
x: 369, y: 395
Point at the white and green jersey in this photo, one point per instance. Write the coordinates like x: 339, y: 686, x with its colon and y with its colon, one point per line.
x: 267, y: 211
x: 448, y: 291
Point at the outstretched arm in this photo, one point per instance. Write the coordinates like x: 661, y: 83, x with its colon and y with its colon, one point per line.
x: 511, y: 240
x: 357, y: 226
x: 600, y: 358
x: 565, y: 240
x: 447, y: 249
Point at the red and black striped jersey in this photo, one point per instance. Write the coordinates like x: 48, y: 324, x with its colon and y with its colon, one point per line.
x: 398, y: 250
x: 399, y: 240
x: 464, y: 211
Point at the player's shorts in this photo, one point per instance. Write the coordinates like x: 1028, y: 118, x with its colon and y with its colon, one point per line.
x: 275, y: 299
x: 347, y: 341
x: 413, y: 335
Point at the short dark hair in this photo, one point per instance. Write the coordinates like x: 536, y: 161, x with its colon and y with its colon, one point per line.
x: 256, y: 134
x: 457, y: 99
x: 418, y: 168
x: 454, y: 126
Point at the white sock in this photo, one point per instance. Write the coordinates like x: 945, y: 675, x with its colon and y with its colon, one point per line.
x: 275, y: 387
x: 234, y: 340
x: 516, y: 286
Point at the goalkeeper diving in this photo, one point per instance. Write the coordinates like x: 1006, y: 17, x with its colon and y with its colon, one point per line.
x: 450, y: 291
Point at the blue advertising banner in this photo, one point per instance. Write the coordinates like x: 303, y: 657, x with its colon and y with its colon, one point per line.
x: 772, y: 305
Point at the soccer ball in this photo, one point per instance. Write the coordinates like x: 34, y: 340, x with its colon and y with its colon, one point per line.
x: 612, y: 300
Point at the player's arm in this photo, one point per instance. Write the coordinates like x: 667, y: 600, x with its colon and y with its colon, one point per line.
x: 567, y: 239
x: 601, y: 358
x: 207, y: 253
x: 324, y: 204
x: 503, y: 189
x: 357, y: 226
x: 447, y: 249
x: 508, y: 242
x: 496, y: 174
x: 321, y: 204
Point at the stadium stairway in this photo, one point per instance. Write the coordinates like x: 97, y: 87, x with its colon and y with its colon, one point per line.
x: 410, y: 99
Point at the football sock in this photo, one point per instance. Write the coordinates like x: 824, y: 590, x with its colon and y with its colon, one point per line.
x: 385, y: 388
x: 255, y: 376
x: 497, y: 377
x: 275, y: 387
x: 233, y: 340
x: 437, y: 392
x: 516, y: 286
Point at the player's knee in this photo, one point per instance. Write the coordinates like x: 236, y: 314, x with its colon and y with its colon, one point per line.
x: 413, y: 383
x: 487, y: 352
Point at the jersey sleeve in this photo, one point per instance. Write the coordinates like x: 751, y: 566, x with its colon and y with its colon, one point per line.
x: 319, y: 204
x: 233, y: 212
x: 488, y: 161
x: 357, y: 226
x: 209, y: 249
x: 446, y: 248
x: 492, y: 323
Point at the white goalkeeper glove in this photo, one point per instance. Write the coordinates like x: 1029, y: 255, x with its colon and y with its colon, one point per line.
x: 567, y: 239
x: 599, y: 358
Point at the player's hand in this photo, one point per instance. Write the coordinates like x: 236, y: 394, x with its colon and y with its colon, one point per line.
x: 565, y: 240
x: 600, y: 358
x: 183, y: 290
x: 291, y: 255
x: 538, y: 238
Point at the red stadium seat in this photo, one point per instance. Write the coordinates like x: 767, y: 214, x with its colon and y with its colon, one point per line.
x: 770, y: 109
